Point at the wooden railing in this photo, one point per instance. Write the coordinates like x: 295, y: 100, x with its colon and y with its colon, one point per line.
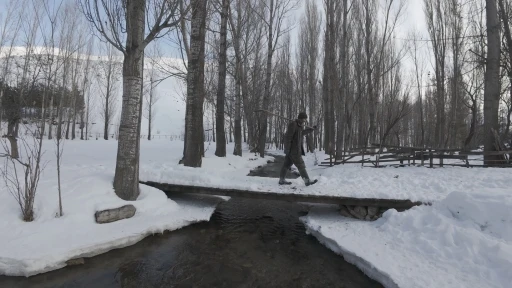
x: 417, y: 156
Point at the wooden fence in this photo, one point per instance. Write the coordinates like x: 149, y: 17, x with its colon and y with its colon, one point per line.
x: 401, y: 156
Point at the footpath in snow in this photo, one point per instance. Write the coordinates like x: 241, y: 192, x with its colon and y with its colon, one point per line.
x: 87, y: 172
x: 413, y: 183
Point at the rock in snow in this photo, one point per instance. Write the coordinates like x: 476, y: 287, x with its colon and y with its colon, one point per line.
x: 116, y: 214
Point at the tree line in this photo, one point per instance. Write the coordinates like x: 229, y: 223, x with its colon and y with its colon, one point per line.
x: 347, y: 68
x: 358, y: 75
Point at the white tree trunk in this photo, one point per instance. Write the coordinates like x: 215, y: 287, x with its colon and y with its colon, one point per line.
x: 126, y: 180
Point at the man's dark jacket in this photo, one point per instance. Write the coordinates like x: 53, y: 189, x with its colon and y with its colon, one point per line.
x: 293, y: 138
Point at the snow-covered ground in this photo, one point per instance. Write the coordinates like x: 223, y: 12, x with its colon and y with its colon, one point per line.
x: 414, y: 183
x: 87, y: 172
x: 463, y: 240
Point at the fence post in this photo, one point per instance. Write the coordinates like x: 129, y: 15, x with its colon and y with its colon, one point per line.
x: 441, y: 159
x: 431, y: 156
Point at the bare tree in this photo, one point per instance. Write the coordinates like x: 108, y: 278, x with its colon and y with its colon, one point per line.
x: 243, y: 27
x: 309, y: 37
x: 22, y: 173
x: 505, y: 16
x: 436, y: 14
x: 419, y: 70
x: 67, y: 47
x: 108, y: 76
x: 85, y: 86
x: 150, y: 98
x: 220, y: 144
x: 195, y: 87
x: 118, y: 22
x: 9, y: 32
x: 492, y: 82
x: 275, y: 15
x: 14, y: 103
x: 330, y: 78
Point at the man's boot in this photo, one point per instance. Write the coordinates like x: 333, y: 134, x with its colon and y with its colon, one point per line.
x: 284, y: 182
x: 309, y: 182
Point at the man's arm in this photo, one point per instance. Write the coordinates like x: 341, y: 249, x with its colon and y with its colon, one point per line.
x: 288, y: 137
x: 308, y: 130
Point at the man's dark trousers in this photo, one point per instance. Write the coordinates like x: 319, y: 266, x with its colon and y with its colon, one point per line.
x: 294, y: 159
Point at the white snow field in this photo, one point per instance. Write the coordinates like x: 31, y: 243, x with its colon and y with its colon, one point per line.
x: 87, y: 173
x: 463, y: 240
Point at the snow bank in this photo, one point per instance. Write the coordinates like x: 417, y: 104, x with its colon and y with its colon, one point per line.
x: 226, y: 172
x: 351, y: 180
x: 87, y: 172
x: 462, y: 241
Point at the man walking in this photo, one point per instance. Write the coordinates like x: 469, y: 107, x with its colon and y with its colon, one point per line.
x: 294, y: 150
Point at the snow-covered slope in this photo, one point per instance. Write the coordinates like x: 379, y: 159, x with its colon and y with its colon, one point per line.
x: 87, y: 172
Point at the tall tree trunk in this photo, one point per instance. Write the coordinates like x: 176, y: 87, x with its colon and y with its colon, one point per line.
x: 107, y: 119
x: 220, y: 150
x: 149, y: 123
x: 239, y: 83
x: 508, y: 37
x: 87, y: 117
x: 231, y: 123
x: 126, y: 180
x: 12, y: 136
x: 150, y: 106
x: 195, y: 87
x: 492, y: 81
x: 325, y: 85
x: 266, y: 93
x: 73, y: 126
x: 244, y: 132
x: 472, y: 127
x: 50, y: 117
x: 61, y: 101
x: 68, y: 124
x: 82, y: 124
x: 238, y: 107
x: 371, y: 97
x: 213, y: 123
x: 341, y: 119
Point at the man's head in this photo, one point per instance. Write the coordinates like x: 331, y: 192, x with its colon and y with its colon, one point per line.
x: 303, y: 117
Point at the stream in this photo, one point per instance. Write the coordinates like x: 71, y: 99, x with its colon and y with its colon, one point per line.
x: 247, y: 243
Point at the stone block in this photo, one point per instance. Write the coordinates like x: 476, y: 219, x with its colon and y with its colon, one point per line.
x: 116, y: 214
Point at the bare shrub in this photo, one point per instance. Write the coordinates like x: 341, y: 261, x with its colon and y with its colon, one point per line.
x: 22, y: 174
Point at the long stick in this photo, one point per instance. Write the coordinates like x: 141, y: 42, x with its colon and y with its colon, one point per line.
x: 268, y: 112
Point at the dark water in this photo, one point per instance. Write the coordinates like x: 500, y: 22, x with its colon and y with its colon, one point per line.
x: 247, y: 243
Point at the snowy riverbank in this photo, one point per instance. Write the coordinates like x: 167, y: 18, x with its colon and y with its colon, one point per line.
x: 463, y: 240
x: 87, y: 172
